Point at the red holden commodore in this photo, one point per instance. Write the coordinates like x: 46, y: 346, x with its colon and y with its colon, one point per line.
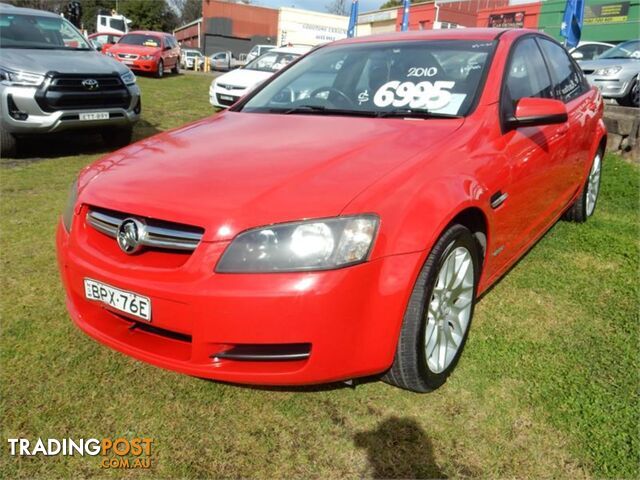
x: 341, y: 220
x: 151, y: 52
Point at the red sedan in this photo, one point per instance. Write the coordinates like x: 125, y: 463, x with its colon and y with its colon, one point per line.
x: 151, y: 52
x: 345, y: 218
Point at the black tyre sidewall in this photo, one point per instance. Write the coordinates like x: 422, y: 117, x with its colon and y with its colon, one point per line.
x: 457, y: 236
x: 160, y: 70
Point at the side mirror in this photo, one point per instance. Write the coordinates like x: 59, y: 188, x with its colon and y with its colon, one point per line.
x: 96, y: 45
x: 537, y: 111
x: 577, y: 55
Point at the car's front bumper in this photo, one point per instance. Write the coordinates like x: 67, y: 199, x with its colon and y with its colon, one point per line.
x: 40, y: 121
x: 350, y: 317
x: 611, y: 87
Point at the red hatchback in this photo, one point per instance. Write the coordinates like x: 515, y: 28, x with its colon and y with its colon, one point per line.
x: 347, y: 216
x: 151, y: 52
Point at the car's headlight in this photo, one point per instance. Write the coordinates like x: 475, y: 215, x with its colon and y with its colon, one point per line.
x: 20, y: 79
x: 128, y: 78
x: 67, y: 214
x: 607, y: 71
x: 147, y: 57
x: 301, y: 246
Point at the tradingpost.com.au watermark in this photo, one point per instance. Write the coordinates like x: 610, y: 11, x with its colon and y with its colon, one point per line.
x: 113, y: 452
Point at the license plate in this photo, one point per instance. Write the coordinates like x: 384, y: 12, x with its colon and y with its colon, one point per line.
x: 127, y: 302
x: 95, y: 116
x: 227, y: 98
x: 127, y: 62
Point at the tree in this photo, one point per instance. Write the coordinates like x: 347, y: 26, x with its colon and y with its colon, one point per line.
x: 149, y: 14
x: 337, y: 7
x: 187, y: 10
x: 395, y: 3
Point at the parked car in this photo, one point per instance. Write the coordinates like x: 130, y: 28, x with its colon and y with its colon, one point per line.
x: 225, y: 61
x: 151, y: 52
x: 228, y: 88
x: 617, y: 73
x: 51, y: 79
x: 341, y: 220
x: 190, y: 56
x: 104, y: 41
x: 258, y: 50
x: 589, y: 50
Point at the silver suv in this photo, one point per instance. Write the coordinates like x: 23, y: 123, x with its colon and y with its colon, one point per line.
x: 52, y: 79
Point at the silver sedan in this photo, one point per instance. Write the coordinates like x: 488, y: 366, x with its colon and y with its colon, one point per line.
x: 617, y: 73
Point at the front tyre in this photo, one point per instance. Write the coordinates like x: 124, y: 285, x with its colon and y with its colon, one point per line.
x: 8, y: 144
x: 176, y: 68
x: 160, y: 69
x: 585, y: 205
x: 436, y: 322
x: 632, y: 99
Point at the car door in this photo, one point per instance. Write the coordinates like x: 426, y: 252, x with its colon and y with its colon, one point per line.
x: 572, y: 89
x: 522, y: 206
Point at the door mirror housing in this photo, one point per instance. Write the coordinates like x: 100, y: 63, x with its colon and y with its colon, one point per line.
x: 531, y: 112
x: 577, y: 55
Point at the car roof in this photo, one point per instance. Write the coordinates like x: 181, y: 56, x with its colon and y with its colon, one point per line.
x: 9, y: 9
x: 481, y: 34
x: 294, y: 50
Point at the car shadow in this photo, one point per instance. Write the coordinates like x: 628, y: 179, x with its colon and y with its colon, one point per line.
x: 399, y: 448
x: 36, y: 148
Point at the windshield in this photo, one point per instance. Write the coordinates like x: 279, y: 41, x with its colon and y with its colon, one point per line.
x: 272, y: 61
x: 435, y: 78
x: 51, y: 33
x: 140, y: 39
x: 624, y: 50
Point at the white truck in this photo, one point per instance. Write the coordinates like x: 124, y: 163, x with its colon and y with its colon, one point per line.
x: 112, y: 23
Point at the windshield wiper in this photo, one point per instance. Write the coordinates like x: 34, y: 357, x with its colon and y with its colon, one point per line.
x: 302, y: 109
x: 414, y: 113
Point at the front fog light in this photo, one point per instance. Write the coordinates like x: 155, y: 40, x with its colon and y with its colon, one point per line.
x: 301, y: 246
x: 67, y: 214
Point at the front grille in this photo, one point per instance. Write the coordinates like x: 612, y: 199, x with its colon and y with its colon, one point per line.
x: 222, y: 100
x: 128, y: 56
x: 67, y: 92
x: 159, y: 234
x: 230, y: 87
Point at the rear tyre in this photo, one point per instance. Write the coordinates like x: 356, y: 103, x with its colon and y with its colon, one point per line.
x: 438, y: 316
x: 117, y: 137
x: 160, y: 69
x: 586, y: 203
x: 8, y: 144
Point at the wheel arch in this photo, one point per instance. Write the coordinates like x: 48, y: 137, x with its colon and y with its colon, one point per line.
x: 474, y: 219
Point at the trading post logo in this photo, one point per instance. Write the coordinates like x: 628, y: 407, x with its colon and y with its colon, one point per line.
x: 113, y: 453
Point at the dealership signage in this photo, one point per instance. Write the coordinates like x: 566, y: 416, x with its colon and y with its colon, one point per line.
x: 606, y: 13
x: 507, y: 20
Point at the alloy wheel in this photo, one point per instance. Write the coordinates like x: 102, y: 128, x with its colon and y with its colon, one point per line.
x: 449, y: 310
x: 593, y: 185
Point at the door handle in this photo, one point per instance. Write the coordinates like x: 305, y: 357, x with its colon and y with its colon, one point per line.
x: 498, y: 199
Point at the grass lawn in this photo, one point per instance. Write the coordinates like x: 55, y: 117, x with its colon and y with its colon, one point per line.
x: 547, y: 386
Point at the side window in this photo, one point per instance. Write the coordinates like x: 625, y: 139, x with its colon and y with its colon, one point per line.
x: 587, y: 51
x: 527, y: 76
x: 103, y: 21
x: 567, y: 78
